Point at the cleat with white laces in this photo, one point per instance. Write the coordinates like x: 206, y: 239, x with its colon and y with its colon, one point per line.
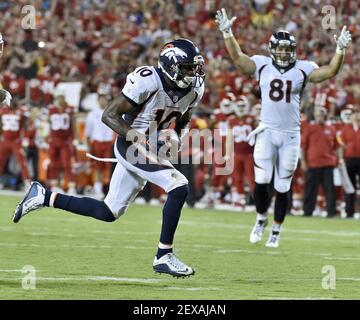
x: 273, y: 241
x: 169, y: 264
x: 33, y: 200
x: 257, y: 232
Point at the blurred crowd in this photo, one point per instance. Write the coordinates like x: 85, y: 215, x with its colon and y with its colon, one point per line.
x: 97, y: 43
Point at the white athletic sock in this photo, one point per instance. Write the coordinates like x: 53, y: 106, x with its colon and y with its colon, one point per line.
x: 165, y: 246
x: 276, y: 227
x: 261, y: 217
x: 52, y: 199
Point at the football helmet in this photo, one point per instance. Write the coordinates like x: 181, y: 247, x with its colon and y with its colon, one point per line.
x: 180, y: 60
x: 1, y: 45
x: 282, y: 47
x: 226, y: 103
x: 241, y: 106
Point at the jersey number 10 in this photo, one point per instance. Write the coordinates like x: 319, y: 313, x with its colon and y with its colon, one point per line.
x: 277, y: 90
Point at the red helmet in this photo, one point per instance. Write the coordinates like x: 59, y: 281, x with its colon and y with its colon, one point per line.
x: 241, y: 106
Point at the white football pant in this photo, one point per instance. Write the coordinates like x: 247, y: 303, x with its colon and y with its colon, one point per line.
x: 279, y: 150
x: 128, y: 180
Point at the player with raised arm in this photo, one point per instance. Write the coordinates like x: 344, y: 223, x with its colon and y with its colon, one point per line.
x: 151, y: 97
x: 282, y: 79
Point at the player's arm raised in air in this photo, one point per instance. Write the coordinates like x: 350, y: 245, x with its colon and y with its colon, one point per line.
x: 241, y: 60
x: 328, y: 71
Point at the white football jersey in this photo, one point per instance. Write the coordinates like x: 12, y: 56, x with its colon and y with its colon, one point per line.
x: 281, y: 92
x: 154, y: 100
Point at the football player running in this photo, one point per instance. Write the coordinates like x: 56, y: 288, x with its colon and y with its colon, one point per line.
x: 282, y: 79
x: 5, y: 96
x: 151, y: 96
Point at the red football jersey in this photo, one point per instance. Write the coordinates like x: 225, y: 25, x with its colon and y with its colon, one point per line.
x: 350, y: 136
x: 14, y: 83
x: 42, y: 88
x: 220, y: 130
x: 241, y: 127
x: 221, y: 122
x: 12, y: 122
x: 60, y: 122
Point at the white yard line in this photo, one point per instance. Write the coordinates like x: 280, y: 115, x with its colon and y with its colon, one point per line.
x: 192, y: 289
x: 53, y: 245
x: 89, y: 278
x: 284, y: 230
x: 296, y: 298
x: 342, y: 258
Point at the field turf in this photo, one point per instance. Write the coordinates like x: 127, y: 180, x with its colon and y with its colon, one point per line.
x: 80, y: 258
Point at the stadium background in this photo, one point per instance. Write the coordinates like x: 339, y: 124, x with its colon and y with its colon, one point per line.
x: 97, y: 43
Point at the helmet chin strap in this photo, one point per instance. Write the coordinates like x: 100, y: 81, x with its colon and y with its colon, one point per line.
x: 185, y: 83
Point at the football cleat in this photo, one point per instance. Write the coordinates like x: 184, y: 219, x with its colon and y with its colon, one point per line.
x: 273, y: 241
x: 169, y: 264
x: 33, y: 200
x: 257, y: 231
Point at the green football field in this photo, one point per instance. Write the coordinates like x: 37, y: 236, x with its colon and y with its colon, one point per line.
x: 76, y: 257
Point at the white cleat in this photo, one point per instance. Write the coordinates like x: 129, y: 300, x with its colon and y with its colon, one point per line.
x: 170, y: 264
x: 257, y: 232
x: 273, y: 241
x: 33, y: 200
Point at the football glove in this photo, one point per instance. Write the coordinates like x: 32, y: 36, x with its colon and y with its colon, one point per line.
x: 6, y: 97
x: 224, y: 24
x: 343, y: 40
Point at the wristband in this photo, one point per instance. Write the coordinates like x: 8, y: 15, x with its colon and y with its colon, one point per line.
x: 339, y: 50
x: 227, y: 34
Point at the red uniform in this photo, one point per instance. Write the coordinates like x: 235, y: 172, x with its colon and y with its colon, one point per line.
x: 220, y: 133
x: 243, y: 152
x: 61, y: 138
x: 319, y: 143
x: 14, y: 83
x: 12, y: 121
x: 350, y: 136
x: 42, y: 88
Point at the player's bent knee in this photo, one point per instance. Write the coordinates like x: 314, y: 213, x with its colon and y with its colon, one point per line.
x: 119, y: 212
x: 103, y: 212
x: 179, y: 181
x: 282, y: 186
x: 116, y: 209
x: 291, y: 159
x: 180, y: 192
x: 262, y: 176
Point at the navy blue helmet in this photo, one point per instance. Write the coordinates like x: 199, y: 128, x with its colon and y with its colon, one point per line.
x: 180, y: 60
x: 282, y: 47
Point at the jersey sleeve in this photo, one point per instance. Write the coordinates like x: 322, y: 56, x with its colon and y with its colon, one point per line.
x: 307, y: 66
x: 260, y: 61
x: 140, y: 85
